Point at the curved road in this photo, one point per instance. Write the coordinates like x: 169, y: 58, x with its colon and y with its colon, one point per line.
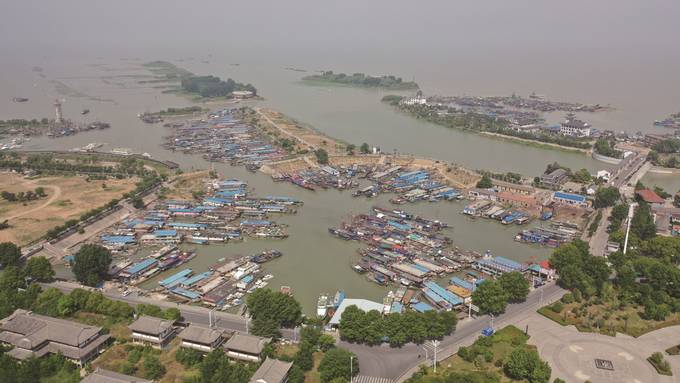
x: 56, y: 194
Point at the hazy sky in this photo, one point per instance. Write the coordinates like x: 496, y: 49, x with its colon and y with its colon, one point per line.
x: 343, y: 27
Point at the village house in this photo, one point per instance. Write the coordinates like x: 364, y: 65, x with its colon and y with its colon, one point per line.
x: 650, y: 197
x: 555, y: 179
x: 503, y: 186
x: 152, y: 331
x: 570, y: 199
x: 105, y: 376
x: 34, y: 336
x: 272, y: 371
x: 201, y: 338
x: 246, y: 347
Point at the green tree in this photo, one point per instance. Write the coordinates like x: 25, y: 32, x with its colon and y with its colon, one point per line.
x: 526, y: 364
x: 336, y: 364
x: 485, y: 182
x: 490, y: 297
x: 9, y: 254
x: 91, y: 264
x: 350, y: 149
x: 172, y: 314
x: 326, y: 342
x: 642, y: 223
x: 137, y: 202
x: 606, y: 196
x: 39, y: 269
x: 153, y: 369
x: 271, y: 309
x: 515, y: 285
x: 365, y: 149
x: 66, y: 306
x: 581, y: 176
x: 321, y: 156
x: 47, y: 302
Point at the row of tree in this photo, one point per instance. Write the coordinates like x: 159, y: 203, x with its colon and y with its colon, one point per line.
x: 361, y: 79
x: 493, y: 296
x: 30, y: 195
x: 468, y: 120
x: 372, y: 328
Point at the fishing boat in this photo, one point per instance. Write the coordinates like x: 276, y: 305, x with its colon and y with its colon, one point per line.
x: 85, y: 111
x: 322, y: 306
x: 337, y: 300
x: 19, y: 99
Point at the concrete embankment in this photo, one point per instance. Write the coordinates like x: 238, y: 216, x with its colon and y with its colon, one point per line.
x: 606, y: 159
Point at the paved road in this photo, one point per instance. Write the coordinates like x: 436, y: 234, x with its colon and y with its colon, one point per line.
x: 598, y: 242
x: 378, y: 361
x: 191, y: 314
x: 400, y: 363
x: 629, y: 171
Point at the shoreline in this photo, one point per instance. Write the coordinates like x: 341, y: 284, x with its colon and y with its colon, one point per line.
x: 518, y: 140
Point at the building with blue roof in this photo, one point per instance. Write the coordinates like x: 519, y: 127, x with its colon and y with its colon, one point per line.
x: 175, y: 277
x: 140, y: 267
x: 187, y: 226
x: 462, y: 283
x: 451, y: 298
x: 497, y: 265
x: 197, y: 278
x: 421, y: 307
x: 570, y: 199
x: 118, y: 239
x: 184, y: 293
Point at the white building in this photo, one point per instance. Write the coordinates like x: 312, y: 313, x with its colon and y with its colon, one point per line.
x: 604, y: 174
x: 574, y: 127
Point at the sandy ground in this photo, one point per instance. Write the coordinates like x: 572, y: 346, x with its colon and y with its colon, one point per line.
x: 67, y: 198
x: 187, y: 183
x: 306, y: 138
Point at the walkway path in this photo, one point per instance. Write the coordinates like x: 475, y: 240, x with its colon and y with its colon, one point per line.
x: 571, y: 354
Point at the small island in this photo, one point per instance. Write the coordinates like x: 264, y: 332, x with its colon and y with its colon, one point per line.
x: 363, y: 80
x: 181, y: 81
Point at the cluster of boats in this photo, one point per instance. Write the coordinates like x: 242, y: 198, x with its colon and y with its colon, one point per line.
x: 223, y: 137
x: 402, y: 248
x: 487, y: 209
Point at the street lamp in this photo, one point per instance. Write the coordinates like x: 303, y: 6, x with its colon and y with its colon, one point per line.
x: 435, y: 344
x: 350, y: 368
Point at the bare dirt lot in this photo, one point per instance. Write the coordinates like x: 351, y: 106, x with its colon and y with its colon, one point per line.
x: 186, y: 184
x: 67, y: 198
x: 305, y: 137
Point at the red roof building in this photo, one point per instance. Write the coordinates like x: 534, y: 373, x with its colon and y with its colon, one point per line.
x: 650, y: 197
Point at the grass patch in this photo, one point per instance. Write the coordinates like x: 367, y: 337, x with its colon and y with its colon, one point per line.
x: 500, y: 345
x: 675, y: 350
x: 606, y: 318
x: 661, y: 366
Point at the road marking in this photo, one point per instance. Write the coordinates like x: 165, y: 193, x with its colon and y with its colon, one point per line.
x: 371, y: 379
x: 626, y: 356
x: 575, y: 348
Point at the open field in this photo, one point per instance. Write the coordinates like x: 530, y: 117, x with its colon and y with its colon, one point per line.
x: 67, y: 198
